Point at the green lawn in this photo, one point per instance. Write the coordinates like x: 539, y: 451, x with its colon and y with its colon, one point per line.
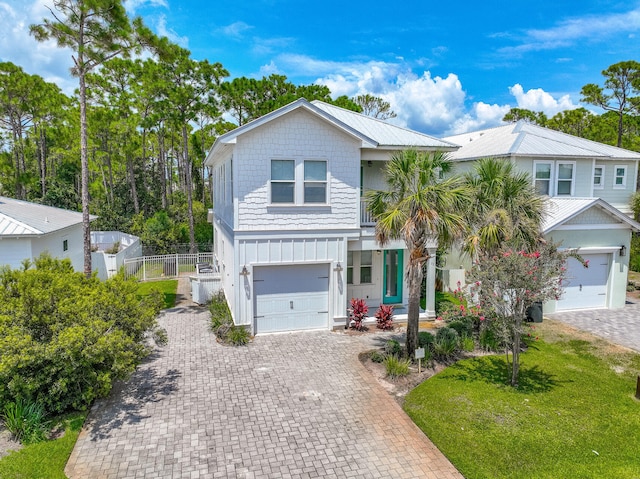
x: 167, y: 287
x: 46, y: 459
x: 574, y: 414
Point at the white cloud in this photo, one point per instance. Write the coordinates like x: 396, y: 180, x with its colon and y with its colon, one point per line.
x: 236, y: 30
x: 163, y: 31
x: 539, y: 100
x: 590, y: 28
x: 132, y: 6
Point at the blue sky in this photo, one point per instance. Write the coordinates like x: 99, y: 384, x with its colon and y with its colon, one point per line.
x: 445, y: 67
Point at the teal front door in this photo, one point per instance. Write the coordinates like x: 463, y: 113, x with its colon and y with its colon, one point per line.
x: 392, y: 287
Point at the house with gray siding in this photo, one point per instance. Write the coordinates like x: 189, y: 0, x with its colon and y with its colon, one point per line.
x: 589, y: 186
x: 292, y: 237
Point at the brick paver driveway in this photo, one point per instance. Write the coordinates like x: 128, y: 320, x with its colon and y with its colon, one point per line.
x: 287, y: 406
x: 620, y: 326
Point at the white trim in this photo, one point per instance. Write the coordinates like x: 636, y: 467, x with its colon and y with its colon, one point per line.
x: 550, y: 191
x: 587, y: 226
x: 593, y: 249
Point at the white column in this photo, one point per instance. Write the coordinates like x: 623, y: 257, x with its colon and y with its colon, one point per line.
x: 430, y: 291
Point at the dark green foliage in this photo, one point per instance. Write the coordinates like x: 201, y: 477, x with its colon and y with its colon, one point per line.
x: 467, y: 343
x: 446, y: 301
x: 392, y: 347
x: 376, y: 356
x: 65, y: 338
x: 488, y: 339
x: 446, y: 344
x: 25, y: 420
x: 222, y: 322
x: 464, y: 326
x: 425, y: 339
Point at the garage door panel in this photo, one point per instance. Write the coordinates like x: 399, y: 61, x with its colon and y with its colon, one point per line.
x: 586, y: 288
x: 291, y: 298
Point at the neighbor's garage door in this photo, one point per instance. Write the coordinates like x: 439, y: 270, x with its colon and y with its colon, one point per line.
x: 586, y: 287
x: 290, y: 298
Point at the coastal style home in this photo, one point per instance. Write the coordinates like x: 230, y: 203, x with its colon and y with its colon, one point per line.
x: 589, y: 186
x: 292, y: 237
x: 29, y: 229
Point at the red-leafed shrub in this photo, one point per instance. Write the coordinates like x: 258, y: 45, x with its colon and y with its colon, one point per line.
x: 384, y: 317
x: 359, y: 310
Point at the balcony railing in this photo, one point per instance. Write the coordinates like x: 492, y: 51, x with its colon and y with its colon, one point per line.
x: 365, y: 216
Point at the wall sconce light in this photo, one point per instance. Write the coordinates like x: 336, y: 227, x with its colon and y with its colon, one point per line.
x: 338, y: 267
x: 245, y: 271
x: 623, y: 250
x: 369, y: 163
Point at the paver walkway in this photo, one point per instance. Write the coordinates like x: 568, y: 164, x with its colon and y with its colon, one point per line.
x: 294, y: 405
x: 620, y: 326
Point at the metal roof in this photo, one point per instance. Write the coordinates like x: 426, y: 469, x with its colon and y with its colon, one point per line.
x: 525, y: 139
x: 385, y: 134
x: 561, y: 210
x: 22, y: 218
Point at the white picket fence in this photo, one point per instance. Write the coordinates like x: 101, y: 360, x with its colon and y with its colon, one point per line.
x: 166, y: 266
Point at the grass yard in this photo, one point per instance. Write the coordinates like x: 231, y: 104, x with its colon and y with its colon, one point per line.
x: 574, y: 414
x: 45, y: 459
x: 168, y: 288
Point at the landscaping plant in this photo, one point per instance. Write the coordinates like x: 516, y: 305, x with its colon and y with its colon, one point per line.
x: 222, y: 322
x: 396, y: 367
x: 25, y: 420
x: 384, y: 317
x: 445, y: 344
x: 358, y: 312
x: 392, y: 348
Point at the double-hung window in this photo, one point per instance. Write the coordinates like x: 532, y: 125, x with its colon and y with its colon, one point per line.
x: 564, y: 184
x: 360, y: 267
x: 299, y: 182
x: 542, y: 176
x: 315, y: 181
x: 598, y: 177
x: 620, y: 177
x: 283, y: 181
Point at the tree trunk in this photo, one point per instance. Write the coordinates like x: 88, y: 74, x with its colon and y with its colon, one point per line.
x: 42, y: 160
x: 132, y: 184
x: 515, y: 354
x: 187, y: 168
x: 84, y: 164
x: 413, y: 313
x: 163, y: 169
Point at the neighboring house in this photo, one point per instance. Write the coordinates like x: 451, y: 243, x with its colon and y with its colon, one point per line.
x: 109, y: 249
x: 29, y: 229
x: 292, y: 237
x: 589, y: 187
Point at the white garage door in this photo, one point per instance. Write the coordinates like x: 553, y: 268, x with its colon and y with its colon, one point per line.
x: 291, y: 298
x: 586, y: 287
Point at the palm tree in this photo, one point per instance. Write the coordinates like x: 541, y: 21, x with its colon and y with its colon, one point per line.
x: 505, y: 209
x: 420, y: 204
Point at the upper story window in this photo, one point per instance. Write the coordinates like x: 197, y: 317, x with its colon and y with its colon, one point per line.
x: 620, y: 177
x: 554, y: 178
x: 542, y: 177
x: 299, y: 182
x: 598, y: 177
x: 315, y: 181
x: 283, y: 181
x: 564, y: 186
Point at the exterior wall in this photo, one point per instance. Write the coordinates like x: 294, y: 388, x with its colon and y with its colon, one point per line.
x: 297, y: 136
x: 13, y: 251
x: 53, y: 244
x: 289, y: 249
x: 224, y: 248
x: 594, y: 240
x: 373, y: 176
x: 617, y: 197
x: 223, y: 190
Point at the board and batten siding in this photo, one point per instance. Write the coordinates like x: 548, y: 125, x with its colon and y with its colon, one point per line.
x: 297, y: 136
x: 292, y: 250
x: 224, y: 249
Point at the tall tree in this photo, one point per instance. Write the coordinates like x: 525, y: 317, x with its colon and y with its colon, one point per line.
x: 419, y: 204
x: 95, y: 31
x: 619, y: 94
x: 504, y: 210
x: 517, y: 114
x: 577, y: 122
x: 374, y: 106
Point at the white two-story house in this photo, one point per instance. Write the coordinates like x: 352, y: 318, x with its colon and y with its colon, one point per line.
x: 292, y: 237
x: 589, y: 186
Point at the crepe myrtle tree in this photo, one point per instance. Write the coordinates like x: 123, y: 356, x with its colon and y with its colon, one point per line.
x: 509, y: 282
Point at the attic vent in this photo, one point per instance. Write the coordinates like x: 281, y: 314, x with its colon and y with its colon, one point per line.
x: 46, y: 219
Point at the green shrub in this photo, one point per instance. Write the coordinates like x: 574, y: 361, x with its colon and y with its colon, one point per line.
x: 25, y: 420
x: 376, y: 356
x: 396, y: 367
x: 462, y: 325
x: 445, y: 301
x: 467, y: 343
x: 445, y: 345
x: 392, y: 347
x: 65, y: 338
x: 219, y: 310
x: 425, y: 339
x: 488, y: 340
x: 237, y: 336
